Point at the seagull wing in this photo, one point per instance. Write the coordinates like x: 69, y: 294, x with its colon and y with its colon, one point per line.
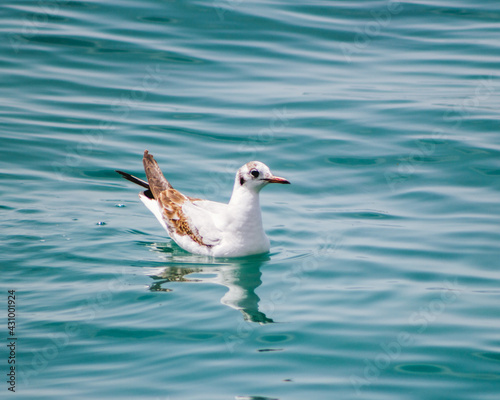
x: 181, y: 213
x: 184, y: 218
x: 203, y: 221
x: 211, y: 206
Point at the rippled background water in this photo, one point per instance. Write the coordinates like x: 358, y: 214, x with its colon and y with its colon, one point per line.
x: 383, y: 279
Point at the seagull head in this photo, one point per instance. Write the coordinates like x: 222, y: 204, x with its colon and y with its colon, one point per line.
x: 255, y: 175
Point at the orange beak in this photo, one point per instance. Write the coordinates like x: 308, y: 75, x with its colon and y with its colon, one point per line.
x: 277, y: 179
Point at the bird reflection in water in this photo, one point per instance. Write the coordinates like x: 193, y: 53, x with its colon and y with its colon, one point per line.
x: 241, y: 276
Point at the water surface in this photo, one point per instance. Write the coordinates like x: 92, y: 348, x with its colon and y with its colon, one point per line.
x: 382, y: 281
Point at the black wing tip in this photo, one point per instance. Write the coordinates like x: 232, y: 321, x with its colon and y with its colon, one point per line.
x: 133, y: 179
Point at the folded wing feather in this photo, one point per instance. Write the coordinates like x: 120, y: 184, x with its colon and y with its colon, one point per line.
x: 203, y: 221
x: 182, y: 215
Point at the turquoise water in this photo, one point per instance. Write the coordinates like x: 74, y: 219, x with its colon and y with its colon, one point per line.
x: 383, y: 279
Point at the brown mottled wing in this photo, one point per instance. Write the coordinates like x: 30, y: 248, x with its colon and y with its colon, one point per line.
x: 157, y: 182
x: 172, y: 204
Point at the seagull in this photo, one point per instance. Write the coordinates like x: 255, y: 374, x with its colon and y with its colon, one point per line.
x: 207, y: 227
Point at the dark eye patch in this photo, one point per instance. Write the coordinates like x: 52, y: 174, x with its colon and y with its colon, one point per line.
x: 254, y: 173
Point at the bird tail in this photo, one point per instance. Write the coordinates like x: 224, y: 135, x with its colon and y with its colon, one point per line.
x: 157, y: 182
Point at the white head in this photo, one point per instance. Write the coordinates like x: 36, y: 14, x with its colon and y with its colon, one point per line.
x: 255, y: 175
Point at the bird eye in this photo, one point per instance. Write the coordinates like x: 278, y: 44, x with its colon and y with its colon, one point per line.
x: 254, y: 173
